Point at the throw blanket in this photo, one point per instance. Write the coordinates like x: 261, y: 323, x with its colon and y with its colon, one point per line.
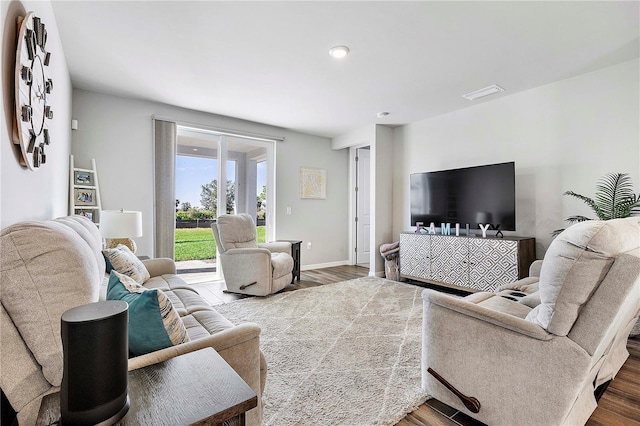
x: 387, y: 249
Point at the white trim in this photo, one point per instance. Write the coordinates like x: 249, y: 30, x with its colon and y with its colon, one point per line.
x: 352, y: 200
x: 325, y: 265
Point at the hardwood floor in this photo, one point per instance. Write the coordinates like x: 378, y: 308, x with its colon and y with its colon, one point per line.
x: 620, y: 404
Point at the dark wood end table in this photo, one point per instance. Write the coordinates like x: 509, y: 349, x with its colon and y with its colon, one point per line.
x: 197, y: 388
x: 295, y: 253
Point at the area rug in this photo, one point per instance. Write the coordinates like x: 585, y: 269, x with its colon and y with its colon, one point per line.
x: 339, y: 354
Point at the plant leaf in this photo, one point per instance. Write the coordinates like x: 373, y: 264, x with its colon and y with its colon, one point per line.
x: 588, y: 201
x: 614, y: 195
x: 577, y: 218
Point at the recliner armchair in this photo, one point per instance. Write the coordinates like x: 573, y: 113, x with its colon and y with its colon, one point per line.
x: 534, y: 352
x: 249, y: 267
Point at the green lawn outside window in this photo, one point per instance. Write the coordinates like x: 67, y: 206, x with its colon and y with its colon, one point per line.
x: 198, y: 243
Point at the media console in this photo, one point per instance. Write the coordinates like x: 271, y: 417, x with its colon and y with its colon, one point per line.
x: 471, y: 263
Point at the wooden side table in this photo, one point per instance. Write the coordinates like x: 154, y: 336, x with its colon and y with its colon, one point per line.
x: 295, y: 253
x: 198, y: 388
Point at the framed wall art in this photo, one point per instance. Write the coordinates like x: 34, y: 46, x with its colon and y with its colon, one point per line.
x: 86, y: 213
x: 313, y: 183
x: 83, y: 178
x: 84, y: 197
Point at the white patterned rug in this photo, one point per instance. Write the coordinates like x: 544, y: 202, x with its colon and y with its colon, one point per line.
x: 339, y: 354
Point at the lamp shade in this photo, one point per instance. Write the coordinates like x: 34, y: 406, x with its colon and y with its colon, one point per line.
x: 120, y: 224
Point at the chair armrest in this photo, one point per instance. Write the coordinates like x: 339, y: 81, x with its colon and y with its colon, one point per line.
x: 534, y: 268
x: 481, y: 313
x: 277, y: 247
x: 219, y: 341
x: 160, y: 266
x: 247, y: 252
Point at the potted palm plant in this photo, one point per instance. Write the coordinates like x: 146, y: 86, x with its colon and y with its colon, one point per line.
x: 614, y: 199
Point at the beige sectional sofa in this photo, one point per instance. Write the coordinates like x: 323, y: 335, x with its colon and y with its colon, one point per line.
x: 50, y: 266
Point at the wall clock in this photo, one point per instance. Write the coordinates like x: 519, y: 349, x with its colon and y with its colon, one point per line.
x: 33, y: 87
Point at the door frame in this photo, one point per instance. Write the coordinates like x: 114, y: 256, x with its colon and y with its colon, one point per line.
x: 353, y: 150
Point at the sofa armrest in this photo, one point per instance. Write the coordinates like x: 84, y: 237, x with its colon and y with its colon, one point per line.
x: 277, y: 247
x: 219, y: 341
x: 487, y: 315
x: 526, y: 285
x: 160, y: 266
x: 534, y: 268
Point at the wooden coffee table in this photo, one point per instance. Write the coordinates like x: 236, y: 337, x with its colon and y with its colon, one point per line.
x: 198, y: 388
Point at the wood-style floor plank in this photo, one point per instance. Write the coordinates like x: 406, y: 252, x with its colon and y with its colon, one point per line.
x: 426, y: 416
x: 620, y: 404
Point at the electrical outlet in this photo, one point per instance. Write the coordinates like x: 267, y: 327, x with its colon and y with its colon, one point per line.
x: 309, y: 246
x: 288, y: 210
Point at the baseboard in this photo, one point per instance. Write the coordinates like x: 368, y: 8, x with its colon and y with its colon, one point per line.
x: 324, y: 265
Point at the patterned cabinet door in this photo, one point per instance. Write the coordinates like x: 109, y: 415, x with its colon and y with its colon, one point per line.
x: 415, y: 255
x: 449, y: 260
x: 492, y: 263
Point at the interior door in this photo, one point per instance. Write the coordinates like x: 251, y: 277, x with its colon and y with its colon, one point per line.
x: 363, y: 207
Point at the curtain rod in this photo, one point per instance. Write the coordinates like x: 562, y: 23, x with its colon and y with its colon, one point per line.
x: 219, y: 130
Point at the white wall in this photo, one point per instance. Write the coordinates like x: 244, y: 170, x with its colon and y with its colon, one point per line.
x: 362, y: 136
x: 40, y: 194
x: 382, y: 168
x: 117, y: 132
x: 562, y: 136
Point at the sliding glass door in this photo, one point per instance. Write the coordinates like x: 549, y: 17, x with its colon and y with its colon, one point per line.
x: 216, y: 174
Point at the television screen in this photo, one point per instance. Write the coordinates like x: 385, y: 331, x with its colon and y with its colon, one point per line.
x: 472, y: 195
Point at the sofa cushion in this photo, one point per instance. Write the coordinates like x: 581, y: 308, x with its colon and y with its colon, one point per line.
x: 236, y: 231
x: 125, y: 262
x: 182, y: 296
x: 575, y: 265
x: 205, y: 322
x: 47, y: 267
x: 153, y: 322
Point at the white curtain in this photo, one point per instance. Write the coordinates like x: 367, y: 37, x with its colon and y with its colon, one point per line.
x: 165, y: 137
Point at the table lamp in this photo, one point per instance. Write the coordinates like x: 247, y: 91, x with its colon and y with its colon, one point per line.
x: 119, y: 226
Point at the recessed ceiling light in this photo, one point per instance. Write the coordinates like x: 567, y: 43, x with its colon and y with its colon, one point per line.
x: 339, y: 51
x: 382, y: 114
x: 481, y: 93
x: 195, y: 149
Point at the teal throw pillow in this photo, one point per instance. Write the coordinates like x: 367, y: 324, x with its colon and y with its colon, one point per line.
x: 153, y: 322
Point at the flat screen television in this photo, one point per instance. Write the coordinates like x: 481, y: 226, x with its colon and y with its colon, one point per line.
x: 471, y: 195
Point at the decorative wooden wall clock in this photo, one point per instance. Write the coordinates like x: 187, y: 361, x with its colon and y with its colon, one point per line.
x: 33, y: 87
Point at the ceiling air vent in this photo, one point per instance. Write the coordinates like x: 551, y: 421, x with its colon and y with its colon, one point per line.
x: 489, y: 90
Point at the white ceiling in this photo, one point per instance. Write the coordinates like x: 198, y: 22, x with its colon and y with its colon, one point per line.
x: 268, y: 61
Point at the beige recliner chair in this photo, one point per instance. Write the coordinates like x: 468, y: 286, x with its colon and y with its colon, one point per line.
x: 249, y: 267
x: 534, y: 352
